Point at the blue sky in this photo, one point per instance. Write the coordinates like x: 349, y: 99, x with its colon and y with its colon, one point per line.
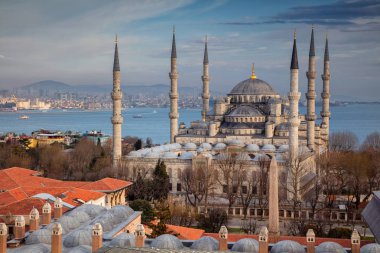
x: 72, y: 41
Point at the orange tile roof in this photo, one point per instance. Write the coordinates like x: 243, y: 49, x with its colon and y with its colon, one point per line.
x: 185, y: 233
x: 106, y: 184
x: 23, y: 207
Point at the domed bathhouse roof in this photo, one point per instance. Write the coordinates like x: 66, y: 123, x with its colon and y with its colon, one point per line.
x: 236, y: 142
x: 283, y: 148
x: 77, y: 238
x: 169, y: 155
x: 205, y: 243
x: 167, y: 242
x: 91, y: 209
x: 370, y: 248
x: 261, y: 157
x: 190, y: 146
x: 121, y: 212
x: 252, y: 87
x: 246, y: 245
x: 252, y: 148
x: 152, y: 155
x: 80, y: 249
x: 69, y: 223
x: 186, y: 155
x: 220, y: 146
x: 206, y: 146
x: 329, y: 247
x: 39, y: 236
x: 245, y: 111
x: 288, y: 247
x: 268, y: 148
x: 81, y: 216
x: 134, y: 154
x: 35, y: 248
x: 124, y: 240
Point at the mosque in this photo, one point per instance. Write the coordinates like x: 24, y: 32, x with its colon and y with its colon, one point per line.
x: 253, y: 120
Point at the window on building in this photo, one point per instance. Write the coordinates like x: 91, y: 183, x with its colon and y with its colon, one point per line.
x: 225, y: 188
x: 170, y: 187
x: 254, y: 190
x: 179, y: 187
x: 244, y: 189
x: 235, y: 189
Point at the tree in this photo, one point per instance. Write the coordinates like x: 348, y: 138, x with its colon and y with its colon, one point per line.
x: 138, y: 145
x: 141, y: 189
x: 212, y: 221
x: 146, y: 208
x: 160, y: 181
x: 262, y: 183
x: 343, y: 141
x: 149, y: 142
x: 52, y: 160
x: 372, y: 142
x: 247, y: 190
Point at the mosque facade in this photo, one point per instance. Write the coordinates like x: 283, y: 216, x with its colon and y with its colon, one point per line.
x: 252, y: 120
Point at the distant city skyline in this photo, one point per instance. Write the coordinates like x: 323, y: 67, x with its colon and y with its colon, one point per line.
x: 72, y: 42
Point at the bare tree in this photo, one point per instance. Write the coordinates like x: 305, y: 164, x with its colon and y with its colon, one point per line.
x: 372, y: 142
x: 247, y: 190
x: 343, y: 141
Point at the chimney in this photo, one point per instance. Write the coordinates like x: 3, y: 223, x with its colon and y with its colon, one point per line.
x: 310, y: 241
x: 355, y: 242
x: 140, y: 236
x: 223, y: 236
x: 20, y: 227
x: 57, y: 208
x: 46, y: 214
x: 3, y: 237
x: 34, y: 220
x: 97, y: 237
x: 263, y: 240
x: 56, y: 238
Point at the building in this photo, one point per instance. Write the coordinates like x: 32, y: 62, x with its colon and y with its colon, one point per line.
x: 253, y: 121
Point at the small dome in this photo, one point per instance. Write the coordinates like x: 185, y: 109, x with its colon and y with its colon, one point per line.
x: 220, y: 146
x: 268, y: 148
x: 280, y: 157
x: 91, y: 209
x: 69, y: 223
x: 288, y: 247
x: 190, y: 146
x: 329, y: 247
x: 81, y: 216
x: 252, y: 148
x: 167, y: 242
x: 186, y: 155
x: 39, y: 236
x: 205, y: 243
x: 81, y: 249
x: 121, y: 212
x: 245, y: 111
x: 169, y: 155
x: 35, y: 248
x: 246, y: 245
x: 252, y: 87
x: 124, y: 240
x: 283, y: 148
x: 261, y: 157
x: 174, y: 146
x: 370, y: 248
x: 236, y: 142
x: 152, y: 155
x: 206, y: 146
x: 77, y: 238
x: 134, y: 154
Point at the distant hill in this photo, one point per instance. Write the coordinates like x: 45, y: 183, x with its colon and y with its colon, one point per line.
x: 48, y: 85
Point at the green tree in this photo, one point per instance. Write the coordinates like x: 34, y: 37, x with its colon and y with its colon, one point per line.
x: 160, y: 182
x: 146, y: 208
x: 212, y: 221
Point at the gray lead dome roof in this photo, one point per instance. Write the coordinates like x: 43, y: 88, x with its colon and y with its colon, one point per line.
x: 244, y: 111
x: 252, y: 87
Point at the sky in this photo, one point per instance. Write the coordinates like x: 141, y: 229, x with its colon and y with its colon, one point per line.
x: 73, y: 42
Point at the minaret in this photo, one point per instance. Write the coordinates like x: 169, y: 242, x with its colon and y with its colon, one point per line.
x: 117, y: 119
x: 325, y: 113
x: 206, y: 80
x: 294, y: 96
x: 310, y: 95
x: 173, y: 115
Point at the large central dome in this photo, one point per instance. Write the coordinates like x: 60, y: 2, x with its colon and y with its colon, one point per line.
x: 252, y: 86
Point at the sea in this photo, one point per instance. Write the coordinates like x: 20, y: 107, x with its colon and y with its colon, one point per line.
x: 362, y: 119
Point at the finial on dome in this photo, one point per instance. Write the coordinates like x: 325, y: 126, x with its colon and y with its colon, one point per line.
x: 253, y: 76
x: 116, y: 38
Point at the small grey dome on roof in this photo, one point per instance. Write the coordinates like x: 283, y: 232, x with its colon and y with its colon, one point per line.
x: 39, y: 236
x: 134, y: 154
x: 121, y: 211
x: 220, y: 146
x: 268, y: 148
x: 69, y: 223
x: 280, y: 157
x: 35, y: 248
x: 123, y: 240
x: 287, y: 246
x: 190, y: 146
x: 205, y: 243
x: 303, y: 150
x: 244, y: 111
x: 169, y: 155
x: 81, y: 216
x: 78, y: 237
x: 167, y: 242
x: 261, y: 157
x: 330, y: 247
x: 252, y: 87
x: 206, y: 146
x: 175, y: 146
x: 252, y: 148
x: 370, y: 248
x: 80, y: 249
x: 91, y: 209
x: 283, y: 148
x: 107, y: 220
x: 235, y: 142
x: 246, y: 245
x: 186, y: 155
x: 152, y: 155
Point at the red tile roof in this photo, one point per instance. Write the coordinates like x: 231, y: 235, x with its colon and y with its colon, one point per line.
x: 185, y: 233
x: 106, y: 184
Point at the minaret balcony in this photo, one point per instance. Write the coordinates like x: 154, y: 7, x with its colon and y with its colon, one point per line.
x: 310, y: 95
x: 116, y: 95
x: 325, y: 114
x: 205, y: 78
x: 311, y: 74
x: 173, y: 115
x: 325, y: 77
x: 325, y: 95
x: 173, y: 75
x: 173, y: 95
x: 294, y: 95
x: 117, y: 120
x: 310, y: 117
x: 205, y: 95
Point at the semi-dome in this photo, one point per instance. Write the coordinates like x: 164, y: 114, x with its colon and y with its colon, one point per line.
x: 370, y: 248
x: 252, y: 87
x: 288, y: 247
x: 329, y: 247
x: 252, y: 148
x: 245, y: 111
x: 205, y: 243
x: 39, y: 236
x: 246, y: 245
x: 124, y: 240
x: 167, y: 242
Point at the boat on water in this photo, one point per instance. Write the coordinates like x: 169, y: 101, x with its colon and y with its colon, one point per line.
x: 24, y: 117
x: 137, y: 116
x: 154, y: 111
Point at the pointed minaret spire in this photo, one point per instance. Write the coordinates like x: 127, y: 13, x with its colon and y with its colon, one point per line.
x: 312, y: 48
x: 325, y: 113
x: 174, y: 50
x: 294, y: 63
x: 205, y: 57
x: 327, y: 57
x: 206, y: 80
x: 116, y: 66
